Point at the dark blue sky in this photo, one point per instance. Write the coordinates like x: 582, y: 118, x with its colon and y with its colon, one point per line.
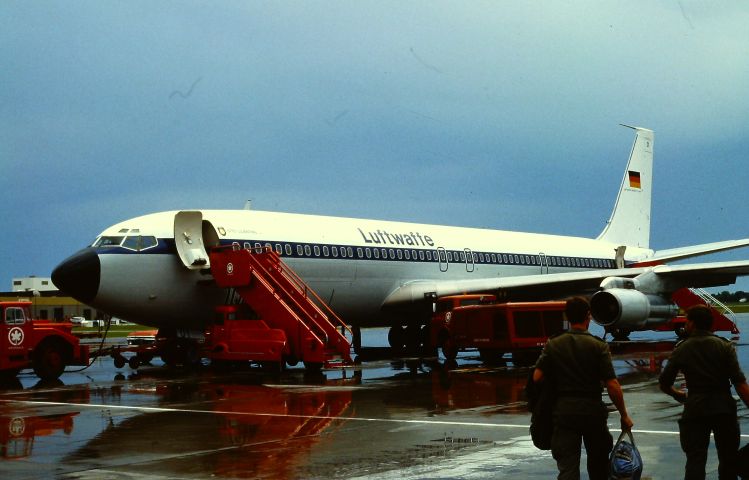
x: 491, y: 114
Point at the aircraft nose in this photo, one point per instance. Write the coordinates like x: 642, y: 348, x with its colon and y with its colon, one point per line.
x: 79, y: 275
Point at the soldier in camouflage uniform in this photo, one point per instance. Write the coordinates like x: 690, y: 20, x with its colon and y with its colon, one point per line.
x: 578, y: 364
x: 710, y: 366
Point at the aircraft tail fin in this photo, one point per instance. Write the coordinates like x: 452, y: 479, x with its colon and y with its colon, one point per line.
x: 630, y: 221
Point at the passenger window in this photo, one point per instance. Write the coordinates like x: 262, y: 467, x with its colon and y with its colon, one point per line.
x: 335, y: 251
x: 376, y: 253
x: 287, y: 247
x: 325, y: 251
x: 407, y: 254
x: 392, y: 254
x: 359, y: 252
x: 258, y: 247
x: 350, y: 252
x: 369, y: 253
x: 317, y: 251
x: 421, y: 254
x: 400, y: 254
x: 307, y: 250
x: 278, y: 249
x: 428, y: 254
x: 299, y: 250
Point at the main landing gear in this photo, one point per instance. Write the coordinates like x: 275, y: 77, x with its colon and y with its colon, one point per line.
x: 413, y: 338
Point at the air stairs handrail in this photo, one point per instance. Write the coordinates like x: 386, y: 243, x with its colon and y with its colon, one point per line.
x: 711, y: 300
x: 304, y: 288
x: 323, y: 313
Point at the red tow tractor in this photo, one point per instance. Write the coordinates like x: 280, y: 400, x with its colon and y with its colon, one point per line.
x: 47, y: 347
x: 463, y: 322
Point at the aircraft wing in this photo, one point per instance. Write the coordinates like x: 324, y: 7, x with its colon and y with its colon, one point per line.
x: 663, y: 278
x: 671, y: 254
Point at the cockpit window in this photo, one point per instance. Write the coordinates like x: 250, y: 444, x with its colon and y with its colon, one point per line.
x: 138, y: 242
x: 108, y: 242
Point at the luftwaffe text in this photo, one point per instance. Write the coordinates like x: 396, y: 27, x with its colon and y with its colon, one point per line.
x: 381, y: 237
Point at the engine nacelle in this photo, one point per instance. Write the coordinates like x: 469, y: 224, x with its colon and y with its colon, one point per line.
x: 630, y: 309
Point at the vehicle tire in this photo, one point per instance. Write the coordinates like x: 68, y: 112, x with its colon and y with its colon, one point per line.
x: 428, y: 349
x: 620, y: 335
x: 49, y: 360
x: 8, y: 377
x: 271, y: 367
x: 180, y: 353
x: 525, y: 358
x: 397, y: 338
x: 449, y: 349
x: 119, y: 361
x: 145, y: 358
x: 413, y: 338
x: 313, y: 366
x: 134, y: 362
x: 491, y: 356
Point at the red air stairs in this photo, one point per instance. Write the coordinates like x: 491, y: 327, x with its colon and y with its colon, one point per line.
x: 292, y: 325
x: 687, y: 297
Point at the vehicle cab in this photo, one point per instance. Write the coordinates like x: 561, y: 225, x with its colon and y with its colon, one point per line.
x: 444, y: 305
x: 47, y: 347
x: 16, y: 336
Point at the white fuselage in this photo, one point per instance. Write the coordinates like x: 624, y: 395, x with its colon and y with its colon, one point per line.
x: 354, y: 264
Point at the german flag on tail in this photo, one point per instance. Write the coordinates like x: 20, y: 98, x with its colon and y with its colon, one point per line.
x: 634, y: 179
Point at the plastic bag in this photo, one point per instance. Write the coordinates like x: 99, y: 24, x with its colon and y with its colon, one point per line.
x: 625, y: 462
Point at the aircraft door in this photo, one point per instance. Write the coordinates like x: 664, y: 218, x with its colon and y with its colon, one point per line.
x: 442, y: 257
x: 469, y: 260
x: 193, y: 236
x: 543, y: 260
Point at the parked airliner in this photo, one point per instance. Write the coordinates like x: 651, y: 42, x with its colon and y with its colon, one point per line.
x: 154, y: 269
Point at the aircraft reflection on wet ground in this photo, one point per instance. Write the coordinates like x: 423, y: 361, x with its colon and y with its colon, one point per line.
x: 241, y: 426
x: 386, y: 419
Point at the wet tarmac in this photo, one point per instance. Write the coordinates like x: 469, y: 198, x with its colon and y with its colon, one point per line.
x: 405, y: 419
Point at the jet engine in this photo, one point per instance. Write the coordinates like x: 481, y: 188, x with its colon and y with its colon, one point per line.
x: 629, y: 309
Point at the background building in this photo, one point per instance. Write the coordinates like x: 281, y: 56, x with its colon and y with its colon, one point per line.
x: 29, y: 284
x: 50, y: 305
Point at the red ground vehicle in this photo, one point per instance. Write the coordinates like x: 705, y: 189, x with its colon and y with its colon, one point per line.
x: 18, y: 433
x: 44, y: 346
x: 520, y: 329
